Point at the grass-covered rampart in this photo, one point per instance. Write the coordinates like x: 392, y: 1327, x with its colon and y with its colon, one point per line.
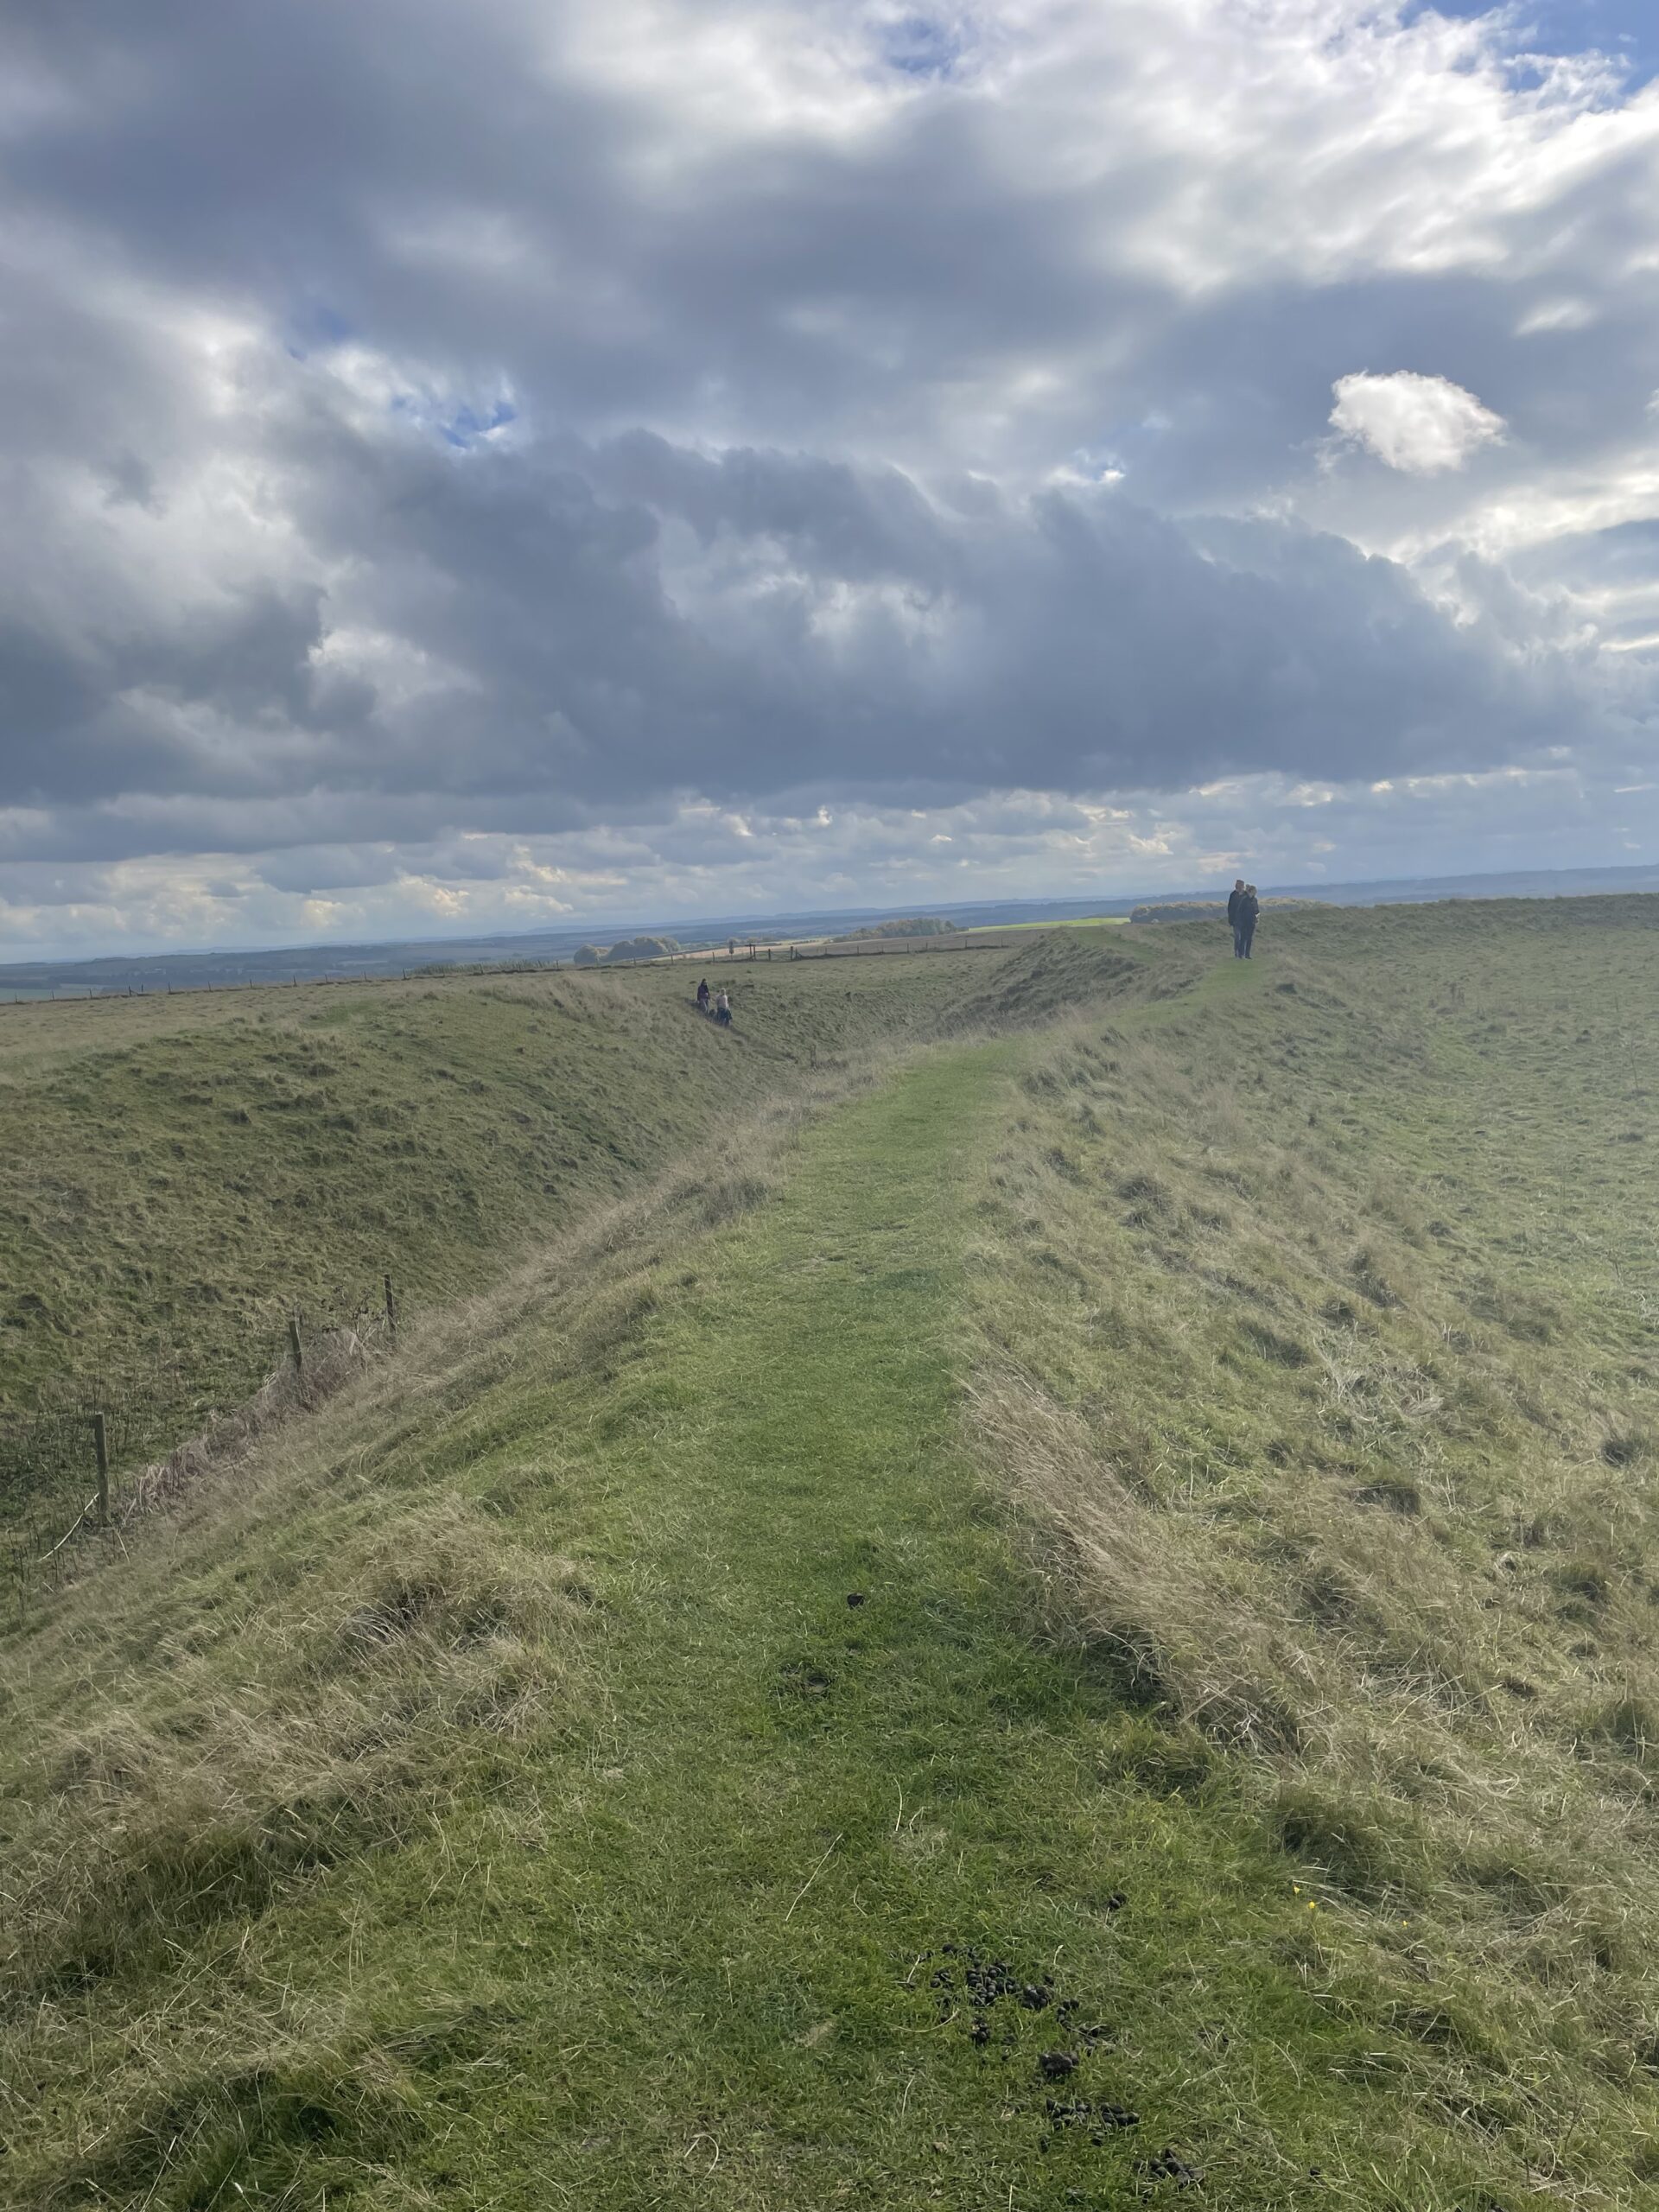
x: 177, y: 1172
x: 179, y: 1176
x: 1064, y: 1621
x: 1317, y: 1344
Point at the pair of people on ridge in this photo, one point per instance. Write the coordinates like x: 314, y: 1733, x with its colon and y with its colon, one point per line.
x: 722, y: 1006
x: 1242, y: 907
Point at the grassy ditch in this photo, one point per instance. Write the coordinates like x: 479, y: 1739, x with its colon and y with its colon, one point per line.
x: 178, y: 1176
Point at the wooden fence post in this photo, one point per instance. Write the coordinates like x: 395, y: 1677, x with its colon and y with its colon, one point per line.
x: 391, y: 1308
x: 101, y: 1446
x: 296, y: 1350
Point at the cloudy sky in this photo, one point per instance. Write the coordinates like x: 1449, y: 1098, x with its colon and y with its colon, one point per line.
x: 476, y: 466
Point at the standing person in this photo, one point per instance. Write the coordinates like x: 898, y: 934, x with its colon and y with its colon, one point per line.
x: 723, y: 1011
x: 1235, y: 900
x: 702, y: 997
x: 1250, y: 907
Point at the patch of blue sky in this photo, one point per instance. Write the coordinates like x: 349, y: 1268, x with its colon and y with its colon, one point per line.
x: 1627, y: 31
x: 467, y: 426
x: 316, y: 324
x: 921, y: 45
x: 461, y: 427
x: 1095, y: 465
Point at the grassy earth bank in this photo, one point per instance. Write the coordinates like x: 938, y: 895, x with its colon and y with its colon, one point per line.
x: 496, y: 1800
x: 177, y: 1176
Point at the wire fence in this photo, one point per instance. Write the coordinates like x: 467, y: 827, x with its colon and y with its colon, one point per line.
x: 100, y: 1450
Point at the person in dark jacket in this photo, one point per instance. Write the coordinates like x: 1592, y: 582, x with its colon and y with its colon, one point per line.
x: 1235, y: 900
x: 702, y: 997
x: 1248, y: 907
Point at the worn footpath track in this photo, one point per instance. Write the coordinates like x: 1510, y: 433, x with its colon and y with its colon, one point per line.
x: 854, y: 1895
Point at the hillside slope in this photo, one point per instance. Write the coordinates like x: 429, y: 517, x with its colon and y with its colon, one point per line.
x: 1013, y: 1635
x: 184, y: 1170
x: 1316, y: 1322
x: 179, y: 1176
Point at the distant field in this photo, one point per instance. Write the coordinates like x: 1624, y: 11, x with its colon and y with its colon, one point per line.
x: 1062, y: 1608
x: 1081, y: 922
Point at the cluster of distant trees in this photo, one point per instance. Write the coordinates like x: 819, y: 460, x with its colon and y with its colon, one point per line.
x: 916, y: 926
x: 630, y: 948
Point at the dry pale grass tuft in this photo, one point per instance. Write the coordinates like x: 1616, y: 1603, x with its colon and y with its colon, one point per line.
x: 329, y: 1701
x: 154, y: 1817
x: 1349, y: 1492
x: 1113, y: 1580
x: 332, y: 1360
x: 347, y: 1631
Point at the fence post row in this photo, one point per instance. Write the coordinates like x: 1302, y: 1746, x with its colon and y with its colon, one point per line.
x: 69, y: 1426
x: 101, y: 1446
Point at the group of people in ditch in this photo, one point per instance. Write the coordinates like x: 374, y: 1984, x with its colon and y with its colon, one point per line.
x: 1242, y: 907
x: 719, y: 1008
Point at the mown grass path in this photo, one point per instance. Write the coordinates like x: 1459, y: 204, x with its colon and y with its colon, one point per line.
x: 721, y: 1946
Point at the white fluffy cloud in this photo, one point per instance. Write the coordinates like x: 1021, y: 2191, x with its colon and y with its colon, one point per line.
x: 591, y: 426
x: 1417, y: 423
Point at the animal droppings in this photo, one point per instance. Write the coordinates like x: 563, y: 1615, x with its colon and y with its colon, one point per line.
x: 1169, y: 2165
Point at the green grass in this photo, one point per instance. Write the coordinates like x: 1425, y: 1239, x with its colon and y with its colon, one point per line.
x: 490, y: 1797
x: 1076, y: 922
x: 178, y: 1175
x: 1316, y: 1338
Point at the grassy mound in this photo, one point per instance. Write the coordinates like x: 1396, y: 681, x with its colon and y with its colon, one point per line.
x: 1058, y: 1619
x: 1317, y: 1347
x: 178, y: 1176
x: 332, y: 1674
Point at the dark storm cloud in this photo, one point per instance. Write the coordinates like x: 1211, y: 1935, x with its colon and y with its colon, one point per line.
x: 417, y: 421
x: 101, y: 713
x: 814, y: 625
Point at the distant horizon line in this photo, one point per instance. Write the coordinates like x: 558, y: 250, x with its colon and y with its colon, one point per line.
x: 730, y: 923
